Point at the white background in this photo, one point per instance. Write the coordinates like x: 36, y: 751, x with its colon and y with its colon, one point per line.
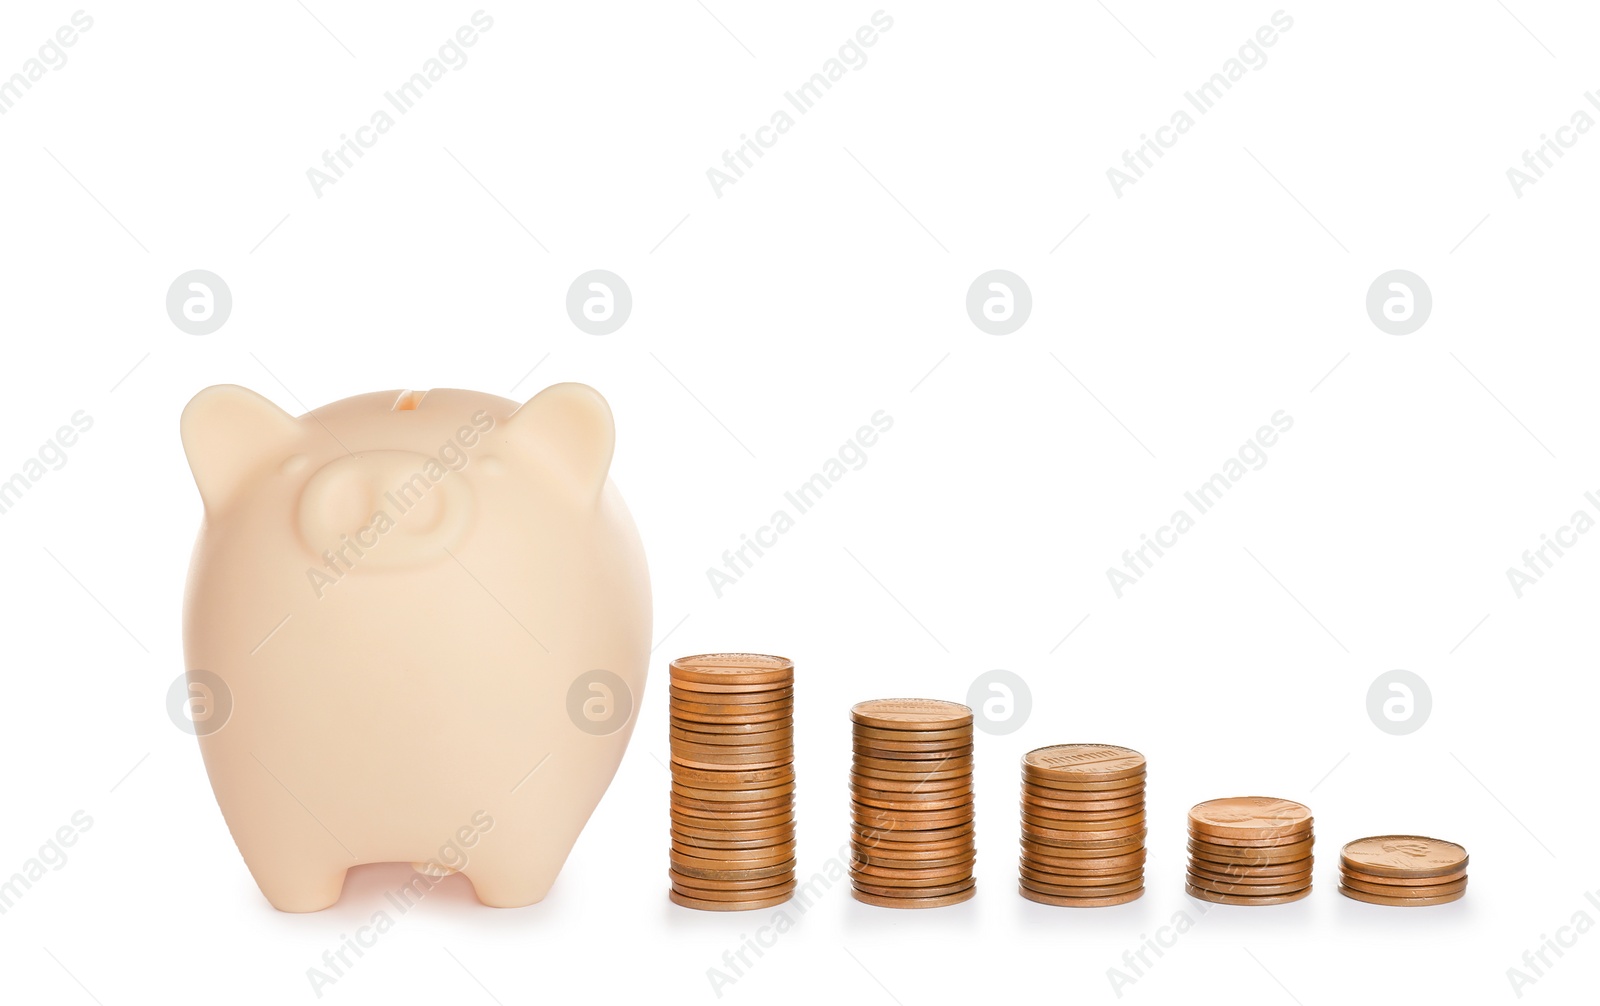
x: 767, y: 325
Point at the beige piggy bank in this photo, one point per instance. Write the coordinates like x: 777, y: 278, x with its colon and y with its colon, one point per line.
x: 420, y: 624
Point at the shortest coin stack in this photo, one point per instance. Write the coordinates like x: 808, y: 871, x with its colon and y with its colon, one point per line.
x: 1249, y: 850
x: 1408, y: 871
x: 1082, y: 825
x: 911, y: 803
x: 732, y: 781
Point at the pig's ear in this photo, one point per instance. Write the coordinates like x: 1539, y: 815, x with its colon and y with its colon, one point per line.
x: 568, y: 428
x: 229, y: 434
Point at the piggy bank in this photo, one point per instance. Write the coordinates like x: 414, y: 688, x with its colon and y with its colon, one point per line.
x: 421, y: 624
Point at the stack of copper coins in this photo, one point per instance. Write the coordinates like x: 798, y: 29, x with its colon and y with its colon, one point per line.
x: 733, y: 842
x: 911, y: 803
x: 1082, y: 825
x: 1250, y: 850
x: 1406, y: 871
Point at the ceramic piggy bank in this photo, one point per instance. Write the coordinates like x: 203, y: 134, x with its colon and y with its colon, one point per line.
x: 421, y: 621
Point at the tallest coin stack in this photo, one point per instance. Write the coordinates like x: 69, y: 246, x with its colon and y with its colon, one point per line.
x: 733, y: 838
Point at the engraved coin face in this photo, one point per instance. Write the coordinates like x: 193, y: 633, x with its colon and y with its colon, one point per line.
x: 1403, y: 855
x: 911, y: 714
x: 1249, y: 817
x: 1085, y: 761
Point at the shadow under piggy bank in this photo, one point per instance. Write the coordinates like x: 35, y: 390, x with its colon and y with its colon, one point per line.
x: 430, y: 617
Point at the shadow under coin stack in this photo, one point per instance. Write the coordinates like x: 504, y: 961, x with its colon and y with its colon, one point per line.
x: 911, y: 803
x: 1083, y: 825
x: 733, y: 842
x: 1249, y: 850
x: 1407, y: 871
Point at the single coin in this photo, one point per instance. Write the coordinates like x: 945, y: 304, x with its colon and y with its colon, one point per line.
x: 740, y: 727
x: 720, y: 873
x: 1085, y: 790
x: 690, y: 687
x: 1127, y: 817
x: 1131, y: 841
x: 882, y: 785
x: 735, y: 894
x: 1434, y: 891
x: 775, y: 848
x: 938, y: 902
x: 910, y: 714
x: 707, y: 839
x: 719, y: 713
x: 1239, y: 874
x: 1060, y: 902
x: 735, y: 779
x: 1379, y: 899
x: 907, y: 852
x: 689, y: 858
x: 733, y: 793
x: 1047, y: 877
x: 731, y: 743
x: 1092, y: 762
x: 694, y: 884
x: 897, y: 876
x: 1082, y: 806
x: 1249, y: 817
x: 926, y: 819
x: 1234, y: 899
x: 1123, y: 847
x: 1403, y: 856
x: 868, y: 765
x: 1289, y: 885
x: 860, y: 858
x: 868, y: 798
x: 782, y: 756
x: 868, y: 886
x: 1402, y: 882
x: 727, y: 906
x: 1049, y: 834
x: 1252, y: 843
x: 911, y: 759
x: 1064, y: 890
x: 725, y: 823
x: 912, y: 741
x: 743, y: 668
x: 871, y: 835
x: 729, y: 701
x: 739, y: 808
x: 1085, y: 867
x: 860, y: 731
x: 1250, y: 857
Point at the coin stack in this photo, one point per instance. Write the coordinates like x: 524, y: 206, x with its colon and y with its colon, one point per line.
x: 1408, y: 871
x: 1082, y: 825
x: 1249, y: 850
x: 732, y: 729
x: 911, y: 803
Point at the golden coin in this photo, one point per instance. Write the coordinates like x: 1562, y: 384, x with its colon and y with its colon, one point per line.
x: 1249, y: 857
x: 775, y: 712
x: 1403, y: 856
x: 1091, y: 762
x: 771, y: 890
x: 872, y: 837
x: 689, y: 687
x: 727, y: 906
x: 1060, y: 902
x: 739, y: 727
x: 1230, y: 871
x: 739, y: 668
x: 911, y: 740
x: 1234, y: 899
x: 1084, y: 790
x: 1072, y: 891
x: 1249, y: 818
x: 1433, y: 891
x: 963, y: 781
x: 886, y: 875
x: 1098, y: 821
x: 1378, y: 899
x: 696, y: 760
x: 691, y: 807
x: 923, y: 902
x: 730, y: 819
x: 730, y: 859
x: 908, y: 853
x: 1122, y: 847
x: 942, y: 818
x: 732, y: 779
x: 757, y: 836
x: 1372, y: 878
x: 862, y: 858
x: 962, y: 798
x: 1049, y: 834
x: 721, y: 873
x: 1289, y: 886
x: 732, y: 743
